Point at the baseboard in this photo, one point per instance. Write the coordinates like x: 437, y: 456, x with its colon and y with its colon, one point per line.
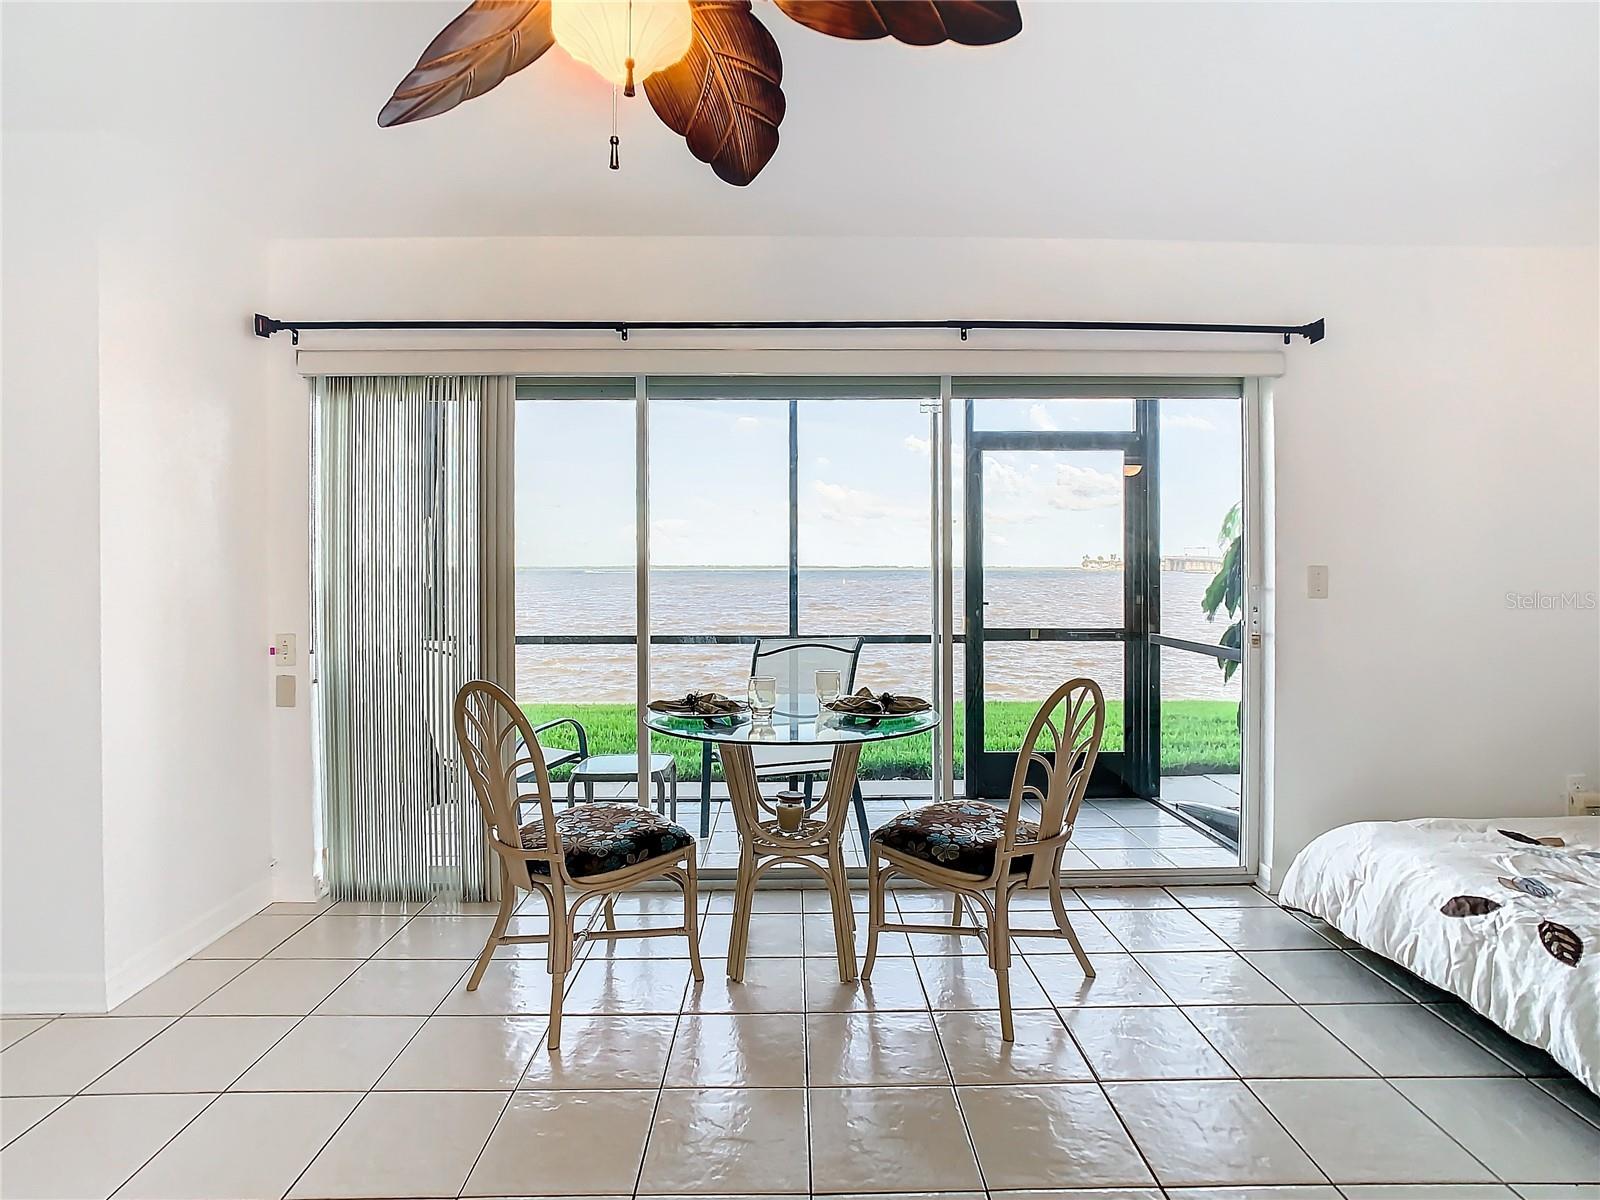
x: 1264, y: 876
x: 144, y: 968
x: 21, y: 994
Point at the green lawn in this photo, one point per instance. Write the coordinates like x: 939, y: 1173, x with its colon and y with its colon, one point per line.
x: 1197, y: 736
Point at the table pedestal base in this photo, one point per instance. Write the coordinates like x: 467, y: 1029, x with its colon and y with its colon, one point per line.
x: 817, y: 845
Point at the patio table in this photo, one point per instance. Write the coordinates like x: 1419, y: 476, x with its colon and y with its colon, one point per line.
x: 818, y: 842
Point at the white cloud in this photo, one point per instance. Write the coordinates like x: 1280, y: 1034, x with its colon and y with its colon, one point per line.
x: 915, y: 444
x: 745, y: 424
x: 1184, y: 421
x: 1079, y: 488
x: 841, y: 502
x: 823, y: 462
x: 1040, y: 418
x: 1013, y: 496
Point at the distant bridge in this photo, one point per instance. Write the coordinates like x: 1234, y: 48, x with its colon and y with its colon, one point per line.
x: 1207, y: 564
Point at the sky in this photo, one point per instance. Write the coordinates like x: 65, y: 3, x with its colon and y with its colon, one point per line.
x: 719, y: 483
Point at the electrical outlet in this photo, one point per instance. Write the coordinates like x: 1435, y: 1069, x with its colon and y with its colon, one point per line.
x: 1317, y: 582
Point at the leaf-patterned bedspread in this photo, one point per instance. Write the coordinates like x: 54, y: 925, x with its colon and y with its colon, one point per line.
x: 1503, y: 913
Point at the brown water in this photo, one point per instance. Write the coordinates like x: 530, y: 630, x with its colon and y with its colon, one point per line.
x: 843, y: 601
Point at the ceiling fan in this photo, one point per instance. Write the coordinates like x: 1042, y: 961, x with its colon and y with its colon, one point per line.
x: 710, y: 69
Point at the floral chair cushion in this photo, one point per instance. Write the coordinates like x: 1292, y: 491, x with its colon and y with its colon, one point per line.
x: 600, y: 838
x: 960, y: 835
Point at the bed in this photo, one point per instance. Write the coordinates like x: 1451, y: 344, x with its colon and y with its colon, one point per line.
x: 1503, y: 913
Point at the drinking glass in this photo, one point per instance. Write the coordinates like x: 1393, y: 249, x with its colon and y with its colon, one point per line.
x: 828, y: 685
x: 763, y: 695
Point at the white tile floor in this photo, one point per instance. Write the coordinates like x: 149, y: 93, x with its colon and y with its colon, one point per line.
x: 1227, y: 1050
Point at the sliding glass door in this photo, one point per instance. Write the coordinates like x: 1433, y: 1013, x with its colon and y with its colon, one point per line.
x: 1200, y: 625
x: 984, y: 538
x: 1105, y: 536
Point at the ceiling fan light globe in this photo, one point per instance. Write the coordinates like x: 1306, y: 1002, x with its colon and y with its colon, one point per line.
x: 597, y: 34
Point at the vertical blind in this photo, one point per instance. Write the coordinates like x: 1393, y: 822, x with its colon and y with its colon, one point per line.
x: 413, y: 591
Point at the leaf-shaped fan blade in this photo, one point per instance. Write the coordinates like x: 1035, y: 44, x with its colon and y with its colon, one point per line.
x: 724, y: 97
x: 1564, y: 945
x: 1468, y: 906
x: 915, y: 22
x: 491, y: 40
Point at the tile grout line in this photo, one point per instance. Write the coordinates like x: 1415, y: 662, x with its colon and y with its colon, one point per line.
x: 373, y: 1087
x: 955, y: 1094
x: 1099, y: 1084
x: 655, y: 1107
x: 225, y: 1090
x: 805, y: 1060
x: 43, y: 1021
x: 1245, y: 1083
x: 1403, y: 1096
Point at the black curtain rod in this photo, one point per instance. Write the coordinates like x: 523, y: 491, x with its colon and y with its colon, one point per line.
x: 267, y: 326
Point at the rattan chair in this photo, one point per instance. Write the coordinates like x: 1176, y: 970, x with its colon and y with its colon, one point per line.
x: 983, y: 853
x: 581, y: 853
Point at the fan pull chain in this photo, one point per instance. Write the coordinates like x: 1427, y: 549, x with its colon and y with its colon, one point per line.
x: 616, y: 165
x: 627, y: 88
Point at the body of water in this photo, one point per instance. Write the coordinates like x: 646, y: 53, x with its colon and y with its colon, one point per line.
x: 844, y: 601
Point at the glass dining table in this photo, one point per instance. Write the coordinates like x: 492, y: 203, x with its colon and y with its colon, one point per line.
x: 817, y: 842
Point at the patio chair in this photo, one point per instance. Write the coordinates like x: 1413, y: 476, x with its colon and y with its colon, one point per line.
x: 794, y: 663
x: 584, y: 852
x: 590, y: 769
x: 983, y: 853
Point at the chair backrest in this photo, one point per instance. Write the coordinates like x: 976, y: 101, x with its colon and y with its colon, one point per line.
x: 1063, y: 741
x: 489, y: 724
x: 794, y: 663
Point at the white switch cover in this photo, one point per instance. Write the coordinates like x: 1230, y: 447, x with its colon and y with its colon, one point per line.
x: 1317, y: 583
x: 285, y: 647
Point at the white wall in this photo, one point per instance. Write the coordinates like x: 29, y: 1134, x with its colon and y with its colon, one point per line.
x: 52, y: 925
x: 185, y: 678
x: 1437, y: 451
x: 137, y: 805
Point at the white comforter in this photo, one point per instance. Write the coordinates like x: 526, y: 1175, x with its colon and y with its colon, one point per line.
x: 1526, y: 950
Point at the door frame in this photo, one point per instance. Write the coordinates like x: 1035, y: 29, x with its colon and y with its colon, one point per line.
x: 988, y: 772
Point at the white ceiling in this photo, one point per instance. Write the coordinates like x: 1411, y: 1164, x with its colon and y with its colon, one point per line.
x: 1355, y: 123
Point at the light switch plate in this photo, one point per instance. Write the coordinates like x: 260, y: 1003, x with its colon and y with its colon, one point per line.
x: 284, y: 644
x: 1317, y: 583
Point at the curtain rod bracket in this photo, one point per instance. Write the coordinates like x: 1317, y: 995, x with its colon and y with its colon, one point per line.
x: 265, y: 327
x: 963, y: 333
x: 622, y: 332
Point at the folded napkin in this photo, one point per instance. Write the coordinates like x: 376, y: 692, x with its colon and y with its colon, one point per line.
x: 699, y: 704
x: 882, y: 704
